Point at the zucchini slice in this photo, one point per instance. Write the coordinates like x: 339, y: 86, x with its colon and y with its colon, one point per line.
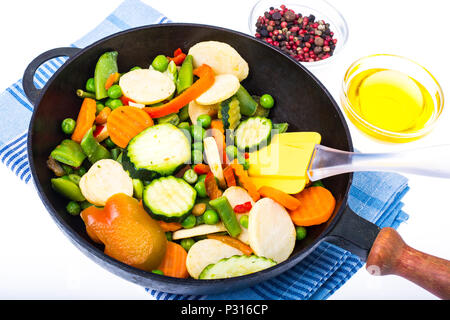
x: 169, y: 199
x: 157, y: 151
x: 236, y: 266
x: 253, y: 133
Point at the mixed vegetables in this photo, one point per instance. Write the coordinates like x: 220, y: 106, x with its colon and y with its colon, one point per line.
x: 158, y: 166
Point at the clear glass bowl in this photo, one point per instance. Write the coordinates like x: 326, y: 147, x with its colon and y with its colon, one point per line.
x: 406, y: 66
x: 321, y: 9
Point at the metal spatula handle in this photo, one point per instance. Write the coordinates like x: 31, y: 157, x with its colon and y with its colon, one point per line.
x: 430, y: 161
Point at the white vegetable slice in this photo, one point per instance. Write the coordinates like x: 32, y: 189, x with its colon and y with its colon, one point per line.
x: 237, y: 196
x: 213, y: 158
x: 195, y: 110
x: 225, y: 85
x: 221, y: 57
x: 206, y: 252
x: 271, y: 231
x: 104, y: 179
x: 146, y: 86
x: 199, y: 230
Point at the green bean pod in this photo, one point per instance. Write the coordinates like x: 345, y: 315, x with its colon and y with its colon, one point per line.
x: 106, y: 65
x: 227, y: 215
x: 247, y: 104
x: 67, y: 188
x: 186, y: 74
x: 94, y: 150
x: 69, y: 152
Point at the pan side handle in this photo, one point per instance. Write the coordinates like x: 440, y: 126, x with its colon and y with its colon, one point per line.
x: 30, y: 89
x: 386, y: 253
x: 391, y: 255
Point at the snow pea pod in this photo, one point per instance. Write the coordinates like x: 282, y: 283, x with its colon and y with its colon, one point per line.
x: 185, y: 75
x: 246, y: 103
x: 227, y: 215
x: 106, y: 65
x: 67, y: 188
x: 69, y: 152
x: 94, y: 150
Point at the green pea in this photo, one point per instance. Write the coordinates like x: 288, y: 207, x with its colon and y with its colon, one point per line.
x: 73, y: 208
x: 244, y: 221
x: 157, y: 271
x: 204, y: 120
x: 135, y: 68
x: 169, y: 236
x: 160, y: 63
x: 198, y: 132
x: 100, y: 107
x: 201, y: 189
x: 189, y: 222
x: 197, y: 146
x: 266, y: 101
x: 210, y: 217
x: 190, y: 176
x: 197, y: 156
x: 115, y: 92
x: 90, y: 85
x: 187, y: 243
x: 113, y: 103
x: 184, y: 126
x: 109, y: 143
x: 231, y: 151
x: 68, y: 125
x: 300, y: 233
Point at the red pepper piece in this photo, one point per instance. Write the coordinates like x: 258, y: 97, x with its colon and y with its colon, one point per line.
x: 242, y: 208
x: 201, y: 168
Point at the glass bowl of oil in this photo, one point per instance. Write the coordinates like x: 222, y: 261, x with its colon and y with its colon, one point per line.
x: 391, y: 98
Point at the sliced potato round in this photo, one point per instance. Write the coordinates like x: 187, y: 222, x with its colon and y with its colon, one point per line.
x: 221, y: 57
x: 237, y: 196
x: 225, y: 85
x: 195, y: 110
x: 105, y: 178
x: 206, y: 252
x: 199, y: 230
x: 271, y: 231
x: 146, y: 86
x: 213, y: 157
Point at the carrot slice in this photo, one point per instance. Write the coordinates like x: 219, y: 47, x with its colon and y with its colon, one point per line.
x: 113, y: 78
x: 174, y: 262
x: 218, y: 133
x: 125, y: 122
x: 103, y: 115
x: 169, y: 226
x: 229, y: 176
x: 85, y: 120
x: 286, y: 200
x: 316, y: 207
x: 235, y: 243
x: 245, y: 181
x: 201, y: 168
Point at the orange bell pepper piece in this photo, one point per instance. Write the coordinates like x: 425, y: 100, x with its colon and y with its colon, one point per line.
x: 129, y: 234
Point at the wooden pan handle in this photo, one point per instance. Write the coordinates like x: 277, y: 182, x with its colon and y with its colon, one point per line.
x: 391, y: 255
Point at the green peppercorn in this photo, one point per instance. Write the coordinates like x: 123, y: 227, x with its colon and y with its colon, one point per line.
x: 73, y: 208
x: 68, y: 125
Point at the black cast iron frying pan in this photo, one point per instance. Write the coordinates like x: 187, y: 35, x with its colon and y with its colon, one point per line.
x: 302, y: 101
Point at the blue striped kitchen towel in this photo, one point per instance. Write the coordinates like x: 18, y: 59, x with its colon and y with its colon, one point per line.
x: 374, y: 196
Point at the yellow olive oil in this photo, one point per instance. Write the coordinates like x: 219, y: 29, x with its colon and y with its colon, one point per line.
x: 390, y: 100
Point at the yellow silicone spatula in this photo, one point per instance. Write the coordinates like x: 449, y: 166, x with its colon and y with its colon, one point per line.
x: 293, y: 159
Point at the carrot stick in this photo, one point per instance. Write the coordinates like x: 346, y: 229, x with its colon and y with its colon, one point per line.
x: 85, y: 120
x: 212, y: 189
x: 205, y: 81
x: 113, y: 78
x: 245, y: 181
x: 229, y: 176
x: 125, y: 122
x: 316, y: 206
x: 233, y: 242
x: 103, y: 115
x: 169, y: 226
x: 286, y: 200
x: 174, y: 262
x: 218, y: 132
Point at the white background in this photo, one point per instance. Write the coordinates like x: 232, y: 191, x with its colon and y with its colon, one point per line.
x: 38, y: 262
